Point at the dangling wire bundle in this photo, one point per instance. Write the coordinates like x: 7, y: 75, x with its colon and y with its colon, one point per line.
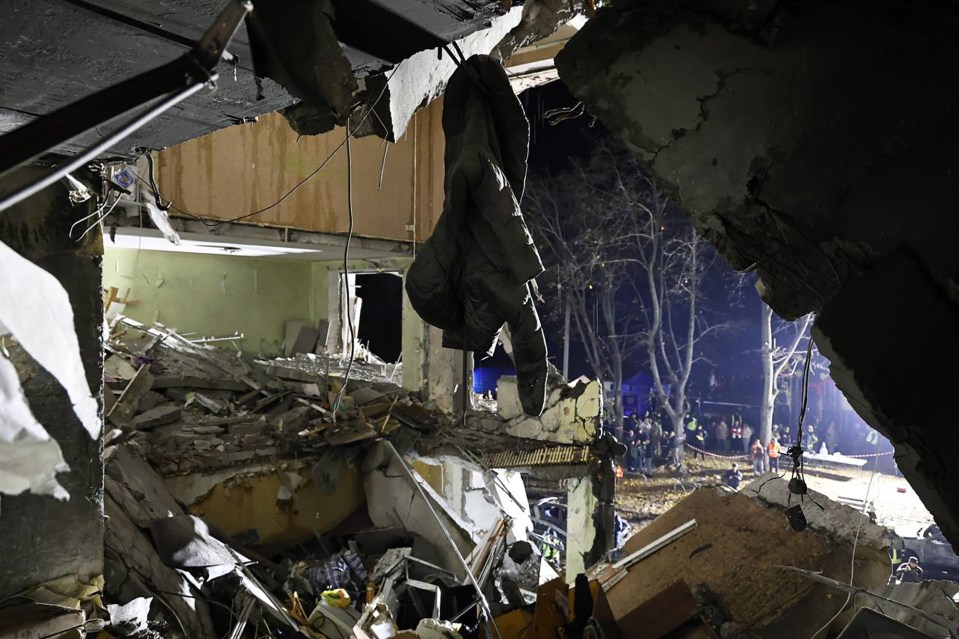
x: 797, y: 482
x: 97, y: 215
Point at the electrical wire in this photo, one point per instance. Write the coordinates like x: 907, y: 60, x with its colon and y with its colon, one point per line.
x: 855, y: 544
x: 96, y: 214
x: 350, y: 134
x: 346, y: 268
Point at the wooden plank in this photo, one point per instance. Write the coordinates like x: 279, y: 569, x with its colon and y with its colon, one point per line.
x: 549, y: 619
x: 654, y: 546
x: 127, y: 405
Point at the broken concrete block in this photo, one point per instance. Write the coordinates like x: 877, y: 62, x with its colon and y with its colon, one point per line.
x: 293, y: 419
x: 364, y: 395
x: 291, y: 329
x: 393, y: 500
x: 572, y: 413
x: 158, y: 416
x: 118, y: 368
x: 151, y: 399
x: 834, y: 520
x: 305, y: 340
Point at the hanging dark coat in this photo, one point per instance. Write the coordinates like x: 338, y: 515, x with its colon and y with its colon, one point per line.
x: 474, y: 273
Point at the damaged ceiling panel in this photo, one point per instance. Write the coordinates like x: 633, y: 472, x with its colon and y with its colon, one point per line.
x: 76, y: 47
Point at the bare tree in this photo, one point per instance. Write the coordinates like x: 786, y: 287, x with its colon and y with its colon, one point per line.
x: 581, y: 232
x: 632, y: 269
x: 779, y: 347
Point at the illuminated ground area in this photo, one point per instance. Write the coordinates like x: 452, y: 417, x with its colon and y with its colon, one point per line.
x: 641, y: 499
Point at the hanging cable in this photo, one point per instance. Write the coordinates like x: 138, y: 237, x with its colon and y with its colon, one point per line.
x: 855, y: 544
x: 212, y: 223
x: 96, y: 222
x: 154, y: 187
x: 346, y: 267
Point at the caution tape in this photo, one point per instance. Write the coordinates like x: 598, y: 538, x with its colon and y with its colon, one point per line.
x: 706, y: 452
x: 871, y: 455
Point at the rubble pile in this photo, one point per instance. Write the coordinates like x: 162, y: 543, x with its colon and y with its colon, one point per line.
x: 192, y: 423
x: 188, y: 407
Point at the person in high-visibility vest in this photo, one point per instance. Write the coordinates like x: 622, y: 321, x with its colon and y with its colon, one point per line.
x: 773, y: 447
x: 736, y: 435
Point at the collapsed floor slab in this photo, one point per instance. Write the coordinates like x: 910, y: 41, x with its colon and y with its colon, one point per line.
x: 730, y: 557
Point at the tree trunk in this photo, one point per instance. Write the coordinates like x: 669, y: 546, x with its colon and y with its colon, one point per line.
x: 617, y: 415
x: 768, y: 400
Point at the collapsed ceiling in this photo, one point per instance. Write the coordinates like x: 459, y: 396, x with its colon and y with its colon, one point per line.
x: 810, y: 142
x: 806, y: 141
x: 338, y: 58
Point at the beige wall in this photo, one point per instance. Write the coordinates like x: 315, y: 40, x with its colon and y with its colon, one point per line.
x: 243, y: 168
x: 214, y: 295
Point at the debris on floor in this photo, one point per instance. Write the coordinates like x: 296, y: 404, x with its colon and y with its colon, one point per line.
x: 248, y: 497
x: 189, y: 407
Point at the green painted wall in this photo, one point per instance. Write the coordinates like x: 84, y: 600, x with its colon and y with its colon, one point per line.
x: 214, y: 295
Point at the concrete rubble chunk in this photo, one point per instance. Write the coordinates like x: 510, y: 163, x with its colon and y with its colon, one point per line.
x: 572, y: 413
x: 264, y: 449
x: 834, y: 520
x: 157, y: 417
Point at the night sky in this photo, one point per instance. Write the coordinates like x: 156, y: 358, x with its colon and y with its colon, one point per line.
x: 734, y: 355
x: 551, y: 148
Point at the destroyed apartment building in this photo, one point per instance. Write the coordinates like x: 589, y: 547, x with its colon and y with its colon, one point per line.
x: 205, y: 207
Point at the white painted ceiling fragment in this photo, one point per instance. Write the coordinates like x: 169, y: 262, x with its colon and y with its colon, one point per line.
x: 36, y: 310
x: 29, y: 458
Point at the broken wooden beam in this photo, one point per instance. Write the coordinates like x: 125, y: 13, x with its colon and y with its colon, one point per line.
x: 129, y: 401
x: 191, y: 381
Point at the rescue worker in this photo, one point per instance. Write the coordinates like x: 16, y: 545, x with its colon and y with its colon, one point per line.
x: 736, y: 435
x: 910, y: 572
x: 700, y: 441
x: 733, y: 477
x: 774, y: 454
x: 550, y: 547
